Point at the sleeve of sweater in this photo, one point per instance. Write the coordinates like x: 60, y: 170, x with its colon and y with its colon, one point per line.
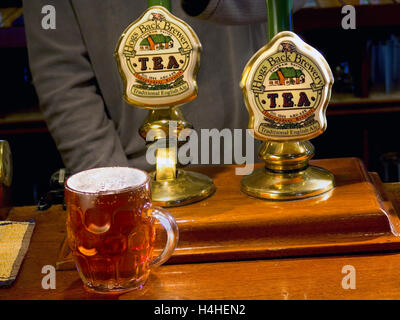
x: 69, y: 96
x: 233, y: 12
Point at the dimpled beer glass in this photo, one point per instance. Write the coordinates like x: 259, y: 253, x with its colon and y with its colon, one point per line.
x: 111, y: 228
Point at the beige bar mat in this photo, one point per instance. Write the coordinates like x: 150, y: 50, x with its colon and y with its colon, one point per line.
x: 14, y: 242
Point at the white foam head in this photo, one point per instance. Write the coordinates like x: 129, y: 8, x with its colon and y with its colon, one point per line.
x: 110, y: 179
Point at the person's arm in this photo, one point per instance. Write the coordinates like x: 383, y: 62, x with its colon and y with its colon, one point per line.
x: 66, y: 85
x: 231, y: 11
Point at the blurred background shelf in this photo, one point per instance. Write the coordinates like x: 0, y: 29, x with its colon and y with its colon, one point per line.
x: 376, y: 102
x: 28, y: 120
x: 22, y: 117
x: 375, y: 97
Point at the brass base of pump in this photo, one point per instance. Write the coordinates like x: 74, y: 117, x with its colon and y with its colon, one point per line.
x: 306, y: 183
x: 170, y: 186
x: 287, y: 175
x: 186, y: 188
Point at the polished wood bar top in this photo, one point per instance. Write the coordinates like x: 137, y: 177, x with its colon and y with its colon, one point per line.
x: 355, y: 216
x: 377, y: 275
x: 305, y: 277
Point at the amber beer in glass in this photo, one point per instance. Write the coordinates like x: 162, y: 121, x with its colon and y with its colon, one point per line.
x: 111, y: 228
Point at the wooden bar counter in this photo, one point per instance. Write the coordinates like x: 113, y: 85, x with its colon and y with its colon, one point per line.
x: 301, y: 277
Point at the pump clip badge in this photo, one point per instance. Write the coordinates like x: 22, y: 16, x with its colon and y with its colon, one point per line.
x: 287, y: 86
x: 158, y: 57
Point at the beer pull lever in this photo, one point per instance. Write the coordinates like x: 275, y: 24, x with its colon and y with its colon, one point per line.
x: 158, y: 57
x: 55, y: 195
x: 286, y: 87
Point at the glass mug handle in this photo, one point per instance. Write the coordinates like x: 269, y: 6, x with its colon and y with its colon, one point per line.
x: 170, y: 226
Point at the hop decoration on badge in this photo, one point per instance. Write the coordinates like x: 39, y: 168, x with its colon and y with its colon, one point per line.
x: 287, y: 47
x: 157, y: 17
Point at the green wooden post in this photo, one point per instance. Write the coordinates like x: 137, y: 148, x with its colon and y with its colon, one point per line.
x: 164, y: 3
x: 279, y: 16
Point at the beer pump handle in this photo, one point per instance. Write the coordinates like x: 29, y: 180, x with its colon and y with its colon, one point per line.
x: 158, y: 57
x: 286, y: 84
x: 279, y: 16
x: 164, y: 3
x: 286, y: 87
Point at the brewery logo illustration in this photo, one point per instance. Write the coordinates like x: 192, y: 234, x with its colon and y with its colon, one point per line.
x: 286, y: 87
x: 158, y: 56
